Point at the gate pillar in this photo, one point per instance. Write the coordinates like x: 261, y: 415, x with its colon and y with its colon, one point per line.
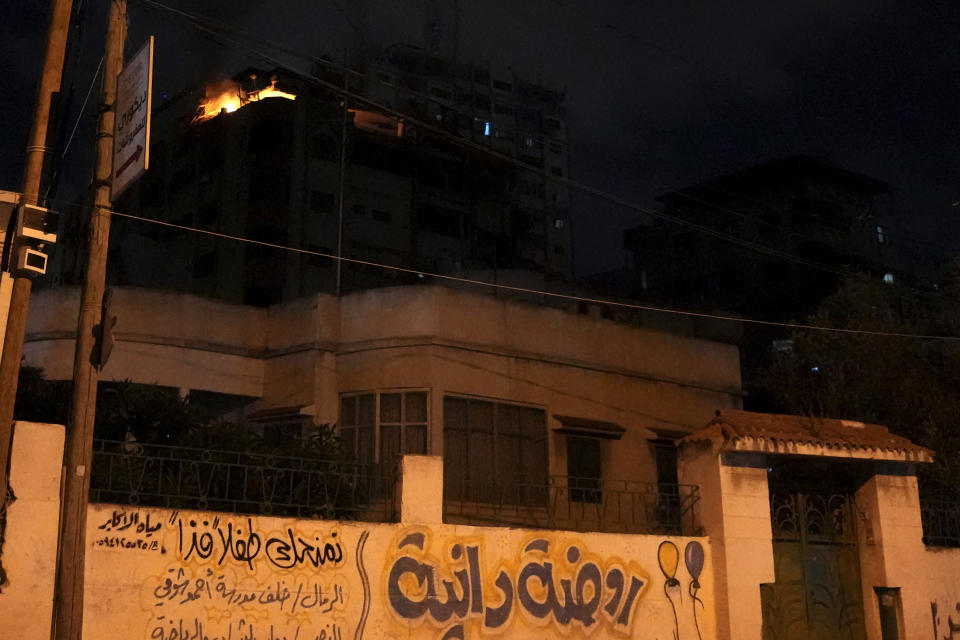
x: 734, y: 509
x: 892, y: 553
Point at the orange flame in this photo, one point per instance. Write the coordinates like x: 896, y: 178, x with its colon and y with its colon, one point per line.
x: 227, y: 96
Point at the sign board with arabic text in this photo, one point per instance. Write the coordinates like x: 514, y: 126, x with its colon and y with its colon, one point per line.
x: 131, y: 128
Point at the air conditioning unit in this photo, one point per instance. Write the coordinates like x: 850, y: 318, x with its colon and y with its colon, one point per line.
x: 37, y: 223
x: 31, y: 262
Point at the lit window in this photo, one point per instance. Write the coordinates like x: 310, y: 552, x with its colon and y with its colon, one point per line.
x: 558, y: 223
x: 888, y: 278
x: 883, y: 234
x: 486, y: 128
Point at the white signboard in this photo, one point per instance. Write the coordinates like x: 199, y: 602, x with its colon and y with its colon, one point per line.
x: 131, y: 129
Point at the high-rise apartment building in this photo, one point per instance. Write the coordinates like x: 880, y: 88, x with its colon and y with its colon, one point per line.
x: 268, y: 157
x: 771, y: 241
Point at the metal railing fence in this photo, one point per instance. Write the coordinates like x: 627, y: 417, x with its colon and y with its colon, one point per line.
x: 241, y: 482
x: 941, y: 521
x: 575, y: 504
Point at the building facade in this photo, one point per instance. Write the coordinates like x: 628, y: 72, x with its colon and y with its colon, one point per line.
x: 540, y: 395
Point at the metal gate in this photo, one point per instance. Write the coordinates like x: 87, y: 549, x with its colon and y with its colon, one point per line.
x: 817, y: 593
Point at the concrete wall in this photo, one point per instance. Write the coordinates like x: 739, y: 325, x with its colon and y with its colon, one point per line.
x: 893, y: 556
x: 168, y: 339
x: 30, y: 539
x: 940, y: 586
x: 162, y: 574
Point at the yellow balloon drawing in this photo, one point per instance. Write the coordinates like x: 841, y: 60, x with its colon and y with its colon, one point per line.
x: 669, y: 557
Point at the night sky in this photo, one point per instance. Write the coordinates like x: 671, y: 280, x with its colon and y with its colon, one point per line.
x: 659, y: 95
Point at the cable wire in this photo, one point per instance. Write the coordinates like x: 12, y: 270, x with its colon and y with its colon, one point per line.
x: 527, y: 290
x: 204, y: 24
x: 66, y: 147
x: 215, y: 29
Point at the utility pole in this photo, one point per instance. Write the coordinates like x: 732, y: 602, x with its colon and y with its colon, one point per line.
x: 37, y: 150
x: 69, y: 599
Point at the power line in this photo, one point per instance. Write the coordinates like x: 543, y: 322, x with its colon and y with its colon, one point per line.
x: 73, y: 132
x: 527, y: 290
x: 215, y: 29
x: 204, y: 24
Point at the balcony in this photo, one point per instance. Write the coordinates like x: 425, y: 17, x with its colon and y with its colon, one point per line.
x: 264, y: 484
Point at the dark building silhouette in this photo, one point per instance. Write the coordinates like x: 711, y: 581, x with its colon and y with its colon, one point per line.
x: 267, y: 166
x: 811, y: 219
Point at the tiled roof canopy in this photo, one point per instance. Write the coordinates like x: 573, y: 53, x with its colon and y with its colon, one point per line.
x: 733, y: 430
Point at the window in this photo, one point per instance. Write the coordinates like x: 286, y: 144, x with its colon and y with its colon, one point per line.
x: 269, y: 184
x: 319, y: 261
x: 499, y: 107
x: 883, y: 235
x: 668, y: 491
x: 557, y: 171
x: 323, y: 147
x: 399, y: 417
x: 552, y: 124
x: 493, y: 451
x: 555, y: 147
x: 439, y: 220
x: 439, y: 92
x: 205, y: 265
x: 207, y: 215
x: 482, y: 101
x: 321, y: 201
x: 403, y: 424
x: 584, y: 469
x: 381, y: 215
x: 500, y: 85
x: 385, y: 78
x: 359, y: 210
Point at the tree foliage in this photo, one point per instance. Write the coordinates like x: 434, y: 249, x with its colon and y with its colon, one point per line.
x: 908, y: 384
x: 159, y: 415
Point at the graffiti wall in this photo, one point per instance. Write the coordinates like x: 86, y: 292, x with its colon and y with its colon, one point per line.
x: 177, y: 575
x: 941, y: 582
